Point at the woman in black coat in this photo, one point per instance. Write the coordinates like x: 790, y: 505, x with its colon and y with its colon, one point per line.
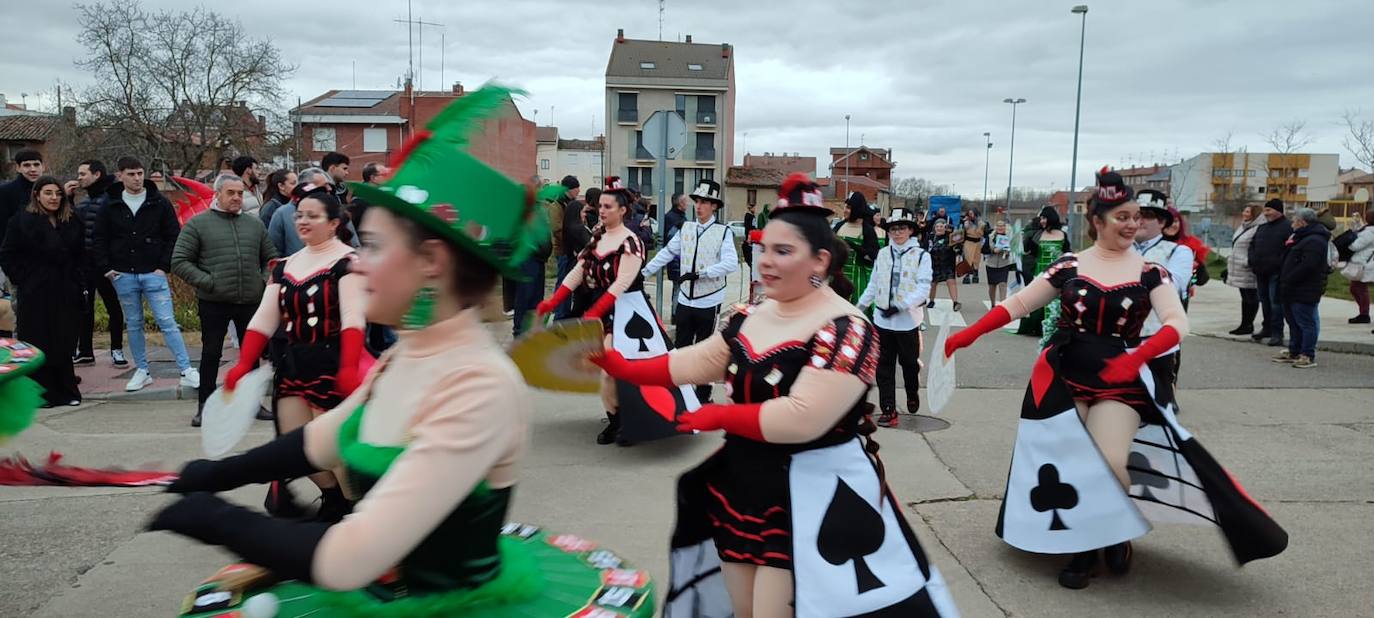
x: 44, y: 254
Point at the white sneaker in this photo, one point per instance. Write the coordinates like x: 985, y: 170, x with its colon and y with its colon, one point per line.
x: 118, y: 357
x: 140, y: 380
x: 190, y: 378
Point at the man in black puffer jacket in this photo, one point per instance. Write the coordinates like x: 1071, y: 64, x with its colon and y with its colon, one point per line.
x: 1302, y: 281
x: 96, y: 181
x: 1266, y: 259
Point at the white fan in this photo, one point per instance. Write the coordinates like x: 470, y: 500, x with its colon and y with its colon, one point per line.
x: 940, y: 377
x: 227, y: 416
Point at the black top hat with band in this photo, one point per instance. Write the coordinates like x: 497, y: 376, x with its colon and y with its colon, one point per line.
x: 1111, y: 191
x: 708, y: 190
x: 1156, y: 202
x: 615, y: 185
x: 900, y: 217
x: 801, y: 194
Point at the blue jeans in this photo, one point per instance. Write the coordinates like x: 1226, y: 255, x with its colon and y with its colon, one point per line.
x: 1267, y: 287
x: 527, y: 293
x: 565, y: 265
x: 1303, y: 327
x: 132, y: 289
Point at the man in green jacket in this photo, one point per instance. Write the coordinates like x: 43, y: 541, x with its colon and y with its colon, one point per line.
x: 224, y: 256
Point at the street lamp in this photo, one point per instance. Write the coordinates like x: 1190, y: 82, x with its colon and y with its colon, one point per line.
x: 1081, y: 9
x: 987, y: 154
x: 1011, y: 158
x: 846, y: 156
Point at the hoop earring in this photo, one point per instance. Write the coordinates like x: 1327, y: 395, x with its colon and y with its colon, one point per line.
x: 421, y: 312
x: 816, y: 281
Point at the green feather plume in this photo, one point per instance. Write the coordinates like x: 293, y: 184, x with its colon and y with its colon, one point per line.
x: 19, y: 399
x: 454, y: 126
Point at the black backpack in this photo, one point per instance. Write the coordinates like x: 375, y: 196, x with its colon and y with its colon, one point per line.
x: 1343, y: 242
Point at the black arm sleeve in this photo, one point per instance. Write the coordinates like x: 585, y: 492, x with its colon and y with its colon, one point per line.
x: 279, y: 459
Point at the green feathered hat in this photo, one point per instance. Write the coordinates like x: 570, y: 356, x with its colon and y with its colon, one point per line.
x: 19, y: 395
x: 438, y: 184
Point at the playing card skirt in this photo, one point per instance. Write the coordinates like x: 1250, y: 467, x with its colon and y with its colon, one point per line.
x: 819, y: 510
x: 473, y: 564
x: 1062, y: 496
x: 312, y: 323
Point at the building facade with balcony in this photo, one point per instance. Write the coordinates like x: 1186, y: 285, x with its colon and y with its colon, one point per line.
x: 696, y: 82
x: 1214, y: 181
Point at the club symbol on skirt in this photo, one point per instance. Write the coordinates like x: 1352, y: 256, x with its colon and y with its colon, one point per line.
x: 1052, y: 495
x: 851, y: 530
x: 1144, y: 475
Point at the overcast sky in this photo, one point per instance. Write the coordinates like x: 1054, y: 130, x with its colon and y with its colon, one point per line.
x: 1162, y: 79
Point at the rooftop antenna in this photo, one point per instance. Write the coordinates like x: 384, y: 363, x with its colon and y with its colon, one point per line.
x: 355, y: 74
x: 662, y: 6
x: 411, y: 24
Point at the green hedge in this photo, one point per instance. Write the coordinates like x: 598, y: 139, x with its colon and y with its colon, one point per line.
x: 184, y: 307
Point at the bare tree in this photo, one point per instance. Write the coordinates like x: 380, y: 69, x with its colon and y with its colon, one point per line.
x: 1289, y: 137
x: 182, y: 88
x: 1230, y: 198
x: 1359, y: 139
x: 918, y: 190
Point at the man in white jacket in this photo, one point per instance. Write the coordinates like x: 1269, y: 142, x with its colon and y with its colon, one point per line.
x: 898, y: 291
x: 705, y: 249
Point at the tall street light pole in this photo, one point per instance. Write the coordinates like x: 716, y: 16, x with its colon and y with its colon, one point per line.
x: 987, y: 158
x: 1011, y: 158
x: 1081, y: 9
x: 846, y: 156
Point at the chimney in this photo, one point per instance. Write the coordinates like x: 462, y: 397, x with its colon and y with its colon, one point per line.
x: 409, y: 91
x: 724, y: 50
x: 620, y: 35
x: 458, y: 89
x: 689, y: 38
x: 69, y: 115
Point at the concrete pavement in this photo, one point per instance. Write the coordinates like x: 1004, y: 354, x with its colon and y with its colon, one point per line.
x: 1300, y: 441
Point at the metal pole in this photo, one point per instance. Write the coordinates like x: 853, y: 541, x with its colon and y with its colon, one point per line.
x: 846, y: 158
x: 1078, y: 105
x: 662, y: 211
x: 1011, y: 157
x: 987, y: 160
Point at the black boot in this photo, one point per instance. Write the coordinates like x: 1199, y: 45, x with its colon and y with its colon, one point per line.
x: 1118, y: 558
x: 333, y: 506
x: 281, y: 502
x: 612, y: 430
x: 888, y: 419
x: 1242, y: 330
x: 1079, y: 571
x: 195, y: 420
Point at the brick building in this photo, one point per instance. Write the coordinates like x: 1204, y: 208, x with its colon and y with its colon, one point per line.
x: 863, y: 169
x: 369, y: 125
x: 786, y: 162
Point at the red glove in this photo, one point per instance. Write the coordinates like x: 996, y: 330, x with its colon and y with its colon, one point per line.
x: 351, y: 349
x: 600, y: 308
x: 741, y: 419
x: 756, y: 237
x: 559, y: 295
x: 250, y: 350
x: 1126, y: 367
x: 648, y: 372
x: 991, y: 321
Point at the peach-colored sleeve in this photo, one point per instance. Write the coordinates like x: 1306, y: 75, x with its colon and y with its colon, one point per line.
x: 469, y: 421
x: 701, y: 363
x: 352, y: 296
x: 817, y: 400
x: 1169, y: 308
x: 268, y: 316
x: 573, y: 279
x: 630, y: 265
x: 1034, y: 296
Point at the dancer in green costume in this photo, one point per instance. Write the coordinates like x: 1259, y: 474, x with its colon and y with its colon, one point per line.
x: 860, y: 233
x: 429, y: 444
x: 1044, y: 243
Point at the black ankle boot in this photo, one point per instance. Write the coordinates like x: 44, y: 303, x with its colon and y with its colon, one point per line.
x: 333, y: 506
x: 280, y: 502
x: 612, y: 430
x: 1118, y: 558
x: 1079, y: 571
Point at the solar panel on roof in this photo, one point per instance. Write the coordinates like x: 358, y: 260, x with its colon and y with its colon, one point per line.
x: 355, y: 98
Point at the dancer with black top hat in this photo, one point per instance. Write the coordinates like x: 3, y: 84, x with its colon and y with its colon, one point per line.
x: 792, y: 516
x: 606, y: 270
x: 1150, y: 243
x: 1099, y: 448
x: 898, y: 290
x: 432, y: 440
x: 705, y: 250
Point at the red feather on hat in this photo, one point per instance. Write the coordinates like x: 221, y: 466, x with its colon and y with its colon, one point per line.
x: 792, y: 183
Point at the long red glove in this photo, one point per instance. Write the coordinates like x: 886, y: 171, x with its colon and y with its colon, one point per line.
x: 992, y: 320
x: 350, y: 350
x: 741, y: 419
x: 601, y: 307
x: 1126, y: 367
x: 648, y: 372
x: 250, y: 350
x: 547, y: 305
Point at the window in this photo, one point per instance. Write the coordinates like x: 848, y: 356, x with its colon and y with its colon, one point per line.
x: 1302, y: 189
x: 640, y: 151
x: 629, y: 107
x: 647, y: 65
x: 1260, y: 189
x: 693, y: 67
x: 679, y: 180
x: 681, y: 101
x: 863, y: 156
x: 1302, y: 173
x: 753, y: 197
x: 374, y: 139
x: 543, y: 164
x: 322, y: 139
x: 640, y: 179
x: 706, y: 109
x: 706, y: 147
